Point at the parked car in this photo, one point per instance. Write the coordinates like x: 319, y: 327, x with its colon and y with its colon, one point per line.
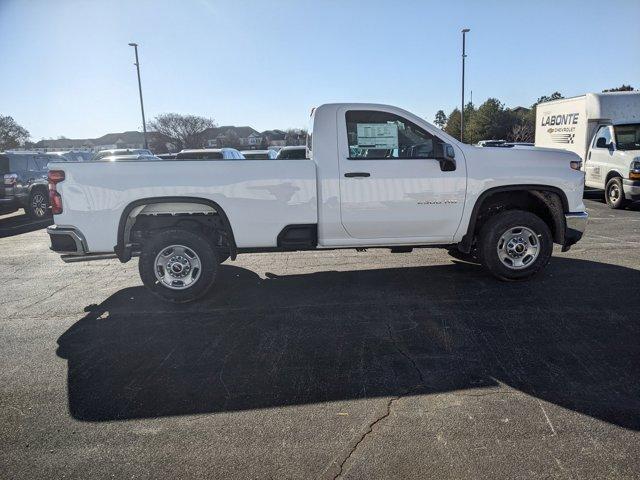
x: 210, y: 154
x: 292, y: 153
x: 604, y: 130
x: 74, y: 156
x: 259, y: 154
x: 121, y: 151
x: 518, y: 145
x: 491, y: 143
x: 25, y: 183
x: 364, y: 186
x: 129, y: 158
x: 167, y: 156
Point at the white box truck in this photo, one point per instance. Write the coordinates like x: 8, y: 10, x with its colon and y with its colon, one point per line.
x: 604, y: 130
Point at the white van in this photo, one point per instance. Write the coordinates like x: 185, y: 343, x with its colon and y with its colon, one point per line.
x: 604, y: 130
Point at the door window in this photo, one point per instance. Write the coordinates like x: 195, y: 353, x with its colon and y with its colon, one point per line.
x: 380, y: 135
x: 604, y: 132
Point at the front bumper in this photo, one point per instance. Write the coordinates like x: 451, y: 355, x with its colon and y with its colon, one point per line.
x: 631, y: 189
x: 575, y: 225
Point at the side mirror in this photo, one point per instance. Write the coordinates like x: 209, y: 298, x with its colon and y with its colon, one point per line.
x: 601, y: 143
x: 445, y: 154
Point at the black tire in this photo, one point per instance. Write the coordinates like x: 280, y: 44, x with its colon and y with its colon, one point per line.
x: 193, y: 243
x: 614, y: 194
x: 38, y: 207
x: 490, y: 242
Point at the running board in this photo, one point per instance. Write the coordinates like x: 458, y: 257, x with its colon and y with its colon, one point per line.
x: 72, y: 258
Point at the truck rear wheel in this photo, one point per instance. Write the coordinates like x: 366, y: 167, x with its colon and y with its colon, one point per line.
x: 515, y: 245
x: 614, y: 194
x: 178, y: 265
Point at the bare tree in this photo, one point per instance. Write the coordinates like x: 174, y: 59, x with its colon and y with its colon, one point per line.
x: 295, y: 136
x: 12, y: 135
x: 185, y: 131
x: 523, y: 132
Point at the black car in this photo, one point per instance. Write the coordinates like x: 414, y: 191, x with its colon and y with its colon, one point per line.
x: 292, y: 153
x: 25, y: 183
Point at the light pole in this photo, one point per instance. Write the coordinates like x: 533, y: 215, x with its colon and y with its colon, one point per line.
x: 464, y: 55
x: 144, y: 124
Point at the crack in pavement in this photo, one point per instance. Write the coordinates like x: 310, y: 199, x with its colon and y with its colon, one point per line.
x: 364, y: 435
x: 389, y: 404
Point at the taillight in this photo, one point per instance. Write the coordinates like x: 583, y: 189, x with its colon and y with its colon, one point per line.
x: 10, y: 179
x: 55, y: 200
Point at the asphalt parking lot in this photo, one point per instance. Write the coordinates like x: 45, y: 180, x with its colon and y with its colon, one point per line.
x: 324, y: 365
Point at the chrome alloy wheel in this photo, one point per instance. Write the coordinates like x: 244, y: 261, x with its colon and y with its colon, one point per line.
x: 518, y: 248
x: 177, y: 267
x: 39, y: 205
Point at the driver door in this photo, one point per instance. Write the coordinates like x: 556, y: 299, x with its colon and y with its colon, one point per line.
x: 391, y: 185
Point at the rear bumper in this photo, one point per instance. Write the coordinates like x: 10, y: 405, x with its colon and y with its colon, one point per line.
x: 65, y: 239
x: 71, y: 244
x: 631, y: 189
x: 575, y: 225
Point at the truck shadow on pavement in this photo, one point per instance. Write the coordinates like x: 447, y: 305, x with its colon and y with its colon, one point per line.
x: 19, y: 224
x: 570, y: 337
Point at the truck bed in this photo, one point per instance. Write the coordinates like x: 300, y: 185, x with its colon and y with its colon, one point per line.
x: 265, y: 195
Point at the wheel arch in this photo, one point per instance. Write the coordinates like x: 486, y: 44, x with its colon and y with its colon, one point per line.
x: 127, y: 221
x: 612, y: 174
x: 543, y: 194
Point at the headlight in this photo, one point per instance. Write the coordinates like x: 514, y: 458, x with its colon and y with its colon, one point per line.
x: 634, y: 169
x: 575, y: 164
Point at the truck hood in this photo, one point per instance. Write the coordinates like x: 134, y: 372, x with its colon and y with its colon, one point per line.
x: 532, y: 154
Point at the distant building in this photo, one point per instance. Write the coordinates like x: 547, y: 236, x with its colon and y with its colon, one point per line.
x: 106, y: 142
x: 245, y: 138
x: 274, y: 138
x: 131, y: 139
x: 110, y: 141
x: 230, y: 136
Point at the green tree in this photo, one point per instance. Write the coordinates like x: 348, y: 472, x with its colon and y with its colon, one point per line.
x: 490, y: 122
x: 441, y: 119
x: 545, y: 98
x: 453, y: 122
x: 12, y: 135
x: 622, y: 88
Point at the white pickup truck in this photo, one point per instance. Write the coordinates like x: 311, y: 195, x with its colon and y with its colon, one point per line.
x: 375, y: 176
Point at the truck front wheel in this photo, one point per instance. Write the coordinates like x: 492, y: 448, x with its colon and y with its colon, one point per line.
x: 178, y: 265
x: 614, y: 193
x: 515, y: 245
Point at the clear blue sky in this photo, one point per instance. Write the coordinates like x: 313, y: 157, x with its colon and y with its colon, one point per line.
x: 66, y: 69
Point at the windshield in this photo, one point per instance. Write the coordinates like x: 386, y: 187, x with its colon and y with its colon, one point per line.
x: 628, y: 136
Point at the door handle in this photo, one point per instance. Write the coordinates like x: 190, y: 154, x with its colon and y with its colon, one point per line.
x: 357, y: 174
